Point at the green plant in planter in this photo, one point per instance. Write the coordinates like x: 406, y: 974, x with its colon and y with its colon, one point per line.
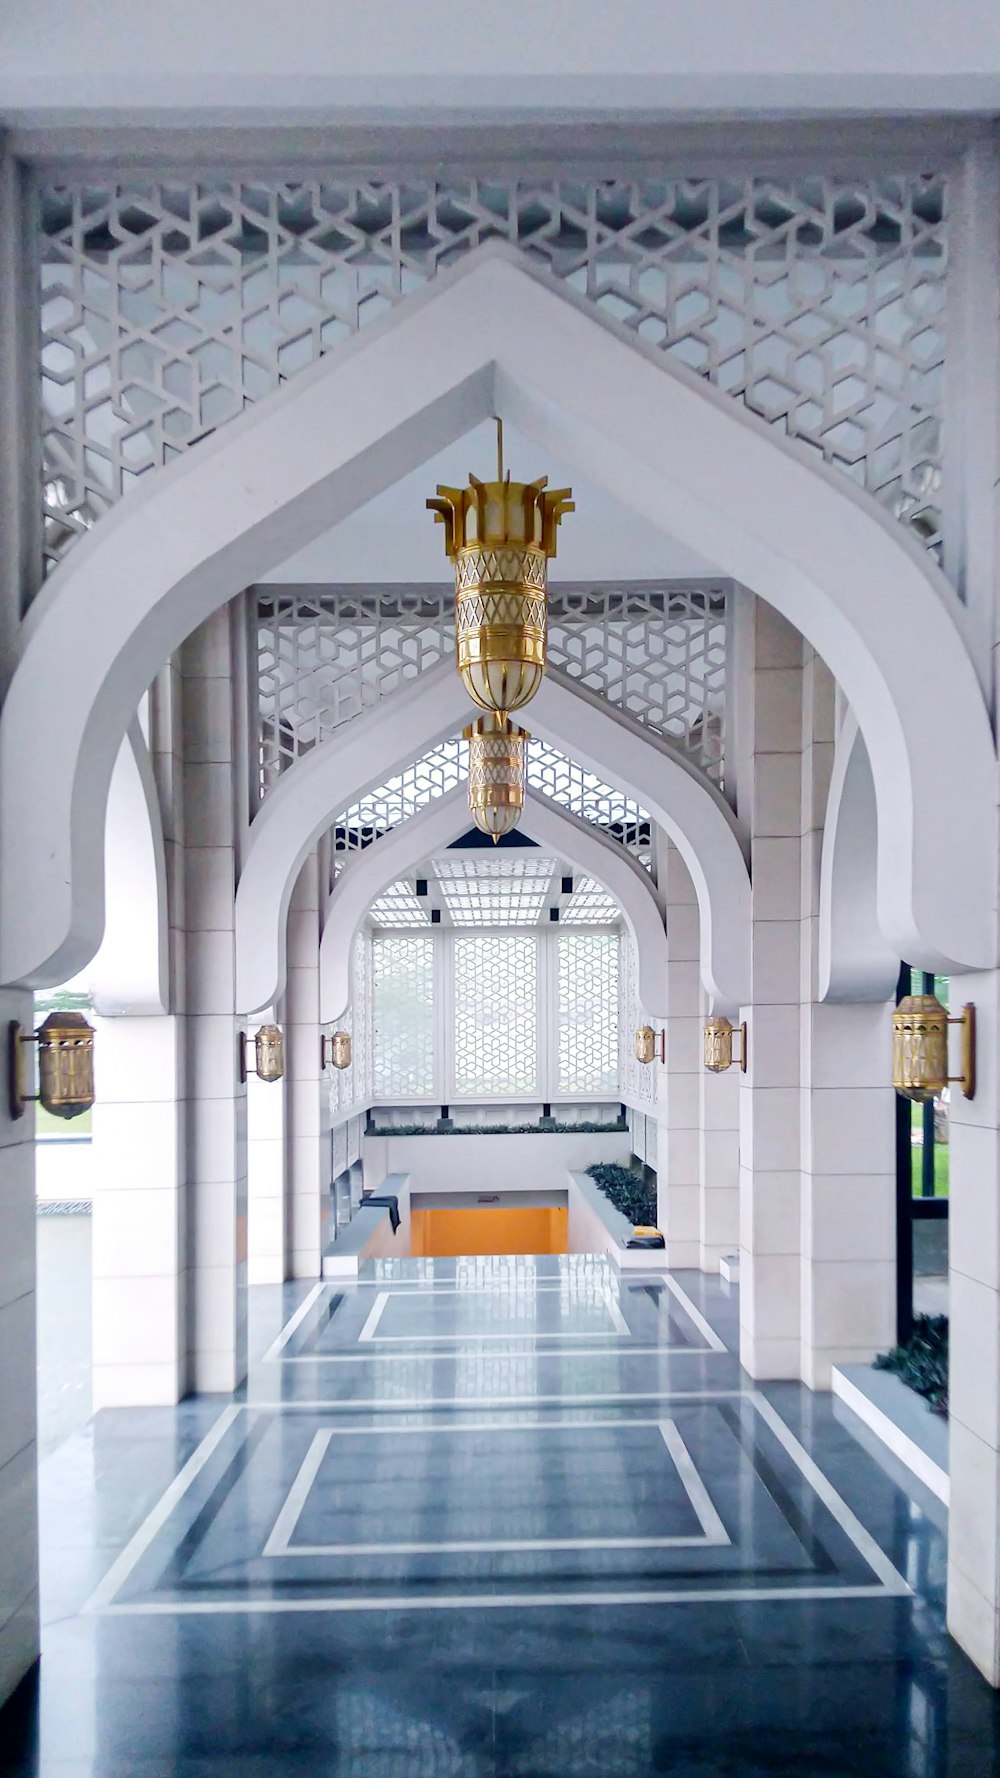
x: 922, y: 1361
x: 627, y: 1190
x: 546, y: 1128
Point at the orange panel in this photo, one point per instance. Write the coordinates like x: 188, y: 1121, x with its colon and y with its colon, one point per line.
x: 535, y: 1229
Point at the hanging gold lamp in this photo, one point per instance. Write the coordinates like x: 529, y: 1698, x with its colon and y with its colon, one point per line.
x: 500, y: 535
x: 920, y: 1048
x: 496, y: 773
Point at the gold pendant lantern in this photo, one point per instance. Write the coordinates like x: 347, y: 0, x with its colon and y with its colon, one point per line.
x: 496, y: 773
x: 500, y: 536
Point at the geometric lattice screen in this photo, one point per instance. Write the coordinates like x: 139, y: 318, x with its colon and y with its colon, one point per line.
x: 588, y: 1012
x: 638, y: 1079
x: 171, y: 304
x: 655, y: 650
x: 403, y: 1015
x: 496, y: 1015
x: 443, y: 767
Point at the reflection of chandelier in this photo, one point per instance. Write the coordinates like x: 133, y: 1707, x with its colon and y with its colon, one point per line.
x: 496, y: 773
x: 499, y: 536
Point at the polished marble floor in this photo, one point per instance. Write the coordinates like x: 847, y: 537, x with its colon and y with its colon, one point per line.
x: 494, y: 1518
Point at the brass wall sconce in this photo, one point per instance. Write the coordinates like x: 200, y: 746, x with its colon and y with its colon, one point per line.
x: 920, y: 1048
x: 650, y: 1045
x: 65, y: 1065
x: 335, y: 1050
x: 718, y: 1044
x: 269, y: 1054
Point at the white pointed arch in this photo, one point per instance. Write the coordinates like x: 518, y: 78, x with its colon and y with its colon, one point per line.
x: 398, y: 854
x: 490, y: 337
x: 372, y: 747
x: 854, y: 962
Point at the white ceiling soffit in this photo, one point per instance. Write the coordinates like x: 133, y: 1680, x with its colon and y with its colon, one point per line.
x: 137, y: 60
x: 394, y: 539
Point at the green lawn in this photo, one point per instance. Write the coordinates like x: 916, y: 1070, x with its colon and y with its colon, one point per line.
x: 47, y: 1125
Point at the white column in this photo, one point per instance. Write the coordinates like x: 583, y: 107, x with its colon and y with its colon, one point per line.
x: 718, y: 1161
x: 307, y: 1171
x: 267, y: 1219
x: 769, y: 1095
x: 678, y: 1194
x: 847, y: 1114
x: 18, y: 1451
x: 974, y: 1310
x: 216, y: 1108
x: 139, y: 1340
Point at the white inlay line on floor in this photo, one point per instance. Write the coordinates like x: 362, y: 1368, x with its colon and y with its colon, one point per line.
x: 368, y: 1334
x: 137, y: 1546
x: 713, y: 1531
x: 294, y: 1323
x: 890, y: 1582
x: 694, y: 1314
x: 425, y: 1345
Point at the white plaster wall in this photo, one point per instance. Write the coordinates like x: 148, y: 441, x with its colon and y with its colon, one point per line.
x: 489, y: 1163
x: 18, y: 1452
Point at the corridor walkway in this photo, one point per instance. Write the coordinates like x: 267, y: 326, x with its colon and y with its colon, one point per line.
x: 492, y: 1518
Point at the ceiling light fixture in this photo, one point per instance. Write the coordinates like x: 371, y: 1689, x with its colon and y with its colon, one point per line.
x: 496, y: 773
x: 500, y: 536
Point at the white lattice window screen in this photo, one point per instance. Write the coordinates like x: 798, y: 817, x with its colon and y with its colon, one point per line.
x: 638, y: 1079
x: 321, y: 662
x: 586, y: 795
x: 496, y: 1015
x: 170, y: 305
x: 353, y: 1086
x: 403, y: 1015
x: 444, y: 766
x: 588, y: 1012
x: 656, y: 651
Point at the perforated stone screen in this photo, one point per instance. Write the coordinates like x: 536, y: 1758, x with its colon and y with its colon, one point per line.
x: 496, y: 1017
x: 588, y: 1012
x: 403, y: 1015
x: 655, y: 650
x: 168, y: 305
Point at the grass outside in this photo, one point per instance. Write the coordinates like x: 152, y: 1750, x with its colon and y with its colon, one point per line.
x: 47, y: 1125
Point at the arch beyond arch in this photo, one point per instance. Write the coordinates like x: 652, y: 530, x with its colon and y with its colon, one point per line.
x: 372, y: 747
x: 433, y: 829
x: 491, y: 337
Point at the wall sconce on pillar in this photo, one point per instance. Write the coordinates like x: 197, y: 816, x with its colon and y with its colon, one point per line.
x: 65, y: 1065
x: 920, y: 1048
x: 336, y: 1050
x: 269, y: 1054
x: 718, y: 1041
x: 650, y: 1045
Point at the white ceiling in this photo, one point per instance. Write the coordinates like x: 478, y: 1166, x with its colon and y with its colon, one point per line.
x: 504, y: 888
x: 395, y: 539
x: 137, y: 60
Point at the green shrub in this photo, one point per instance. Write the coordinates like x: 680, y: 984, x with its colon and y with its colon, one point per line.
x: 627, y: 1190
x: 922, y: 1362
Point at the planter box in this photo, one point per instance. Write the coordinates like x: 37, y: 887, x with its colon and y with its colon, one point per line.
x: 595, y: 1226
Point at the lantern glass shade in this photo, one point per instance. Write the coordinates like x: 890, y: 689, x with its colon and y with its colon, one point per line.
x: 66, y: 1064
x: 497, y: 751
x: 340, y: 1049
x: 645, y: 1043
x: 500, y: 535
x: 920, y: 1047
x: 718, y: 1044
x: 269, y: 1053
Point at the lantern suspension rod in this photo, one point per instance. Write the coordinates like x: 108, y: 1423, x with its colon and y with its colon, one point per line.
x: 499, y: 447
